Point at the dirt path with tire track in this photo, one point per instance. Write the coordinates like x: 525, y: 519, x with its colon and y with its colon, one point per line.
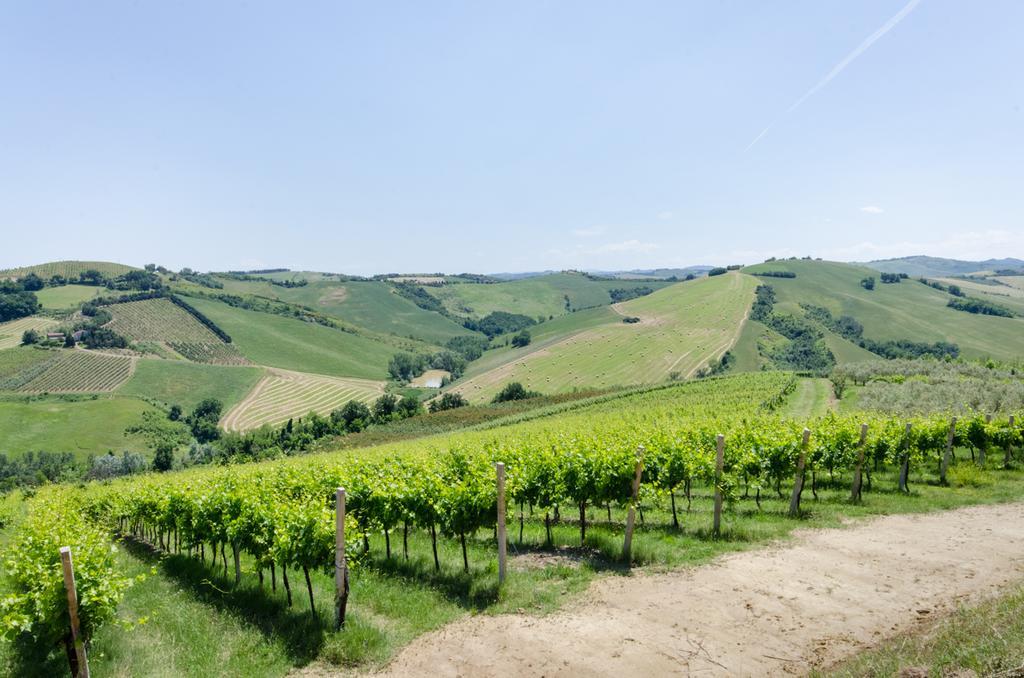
x: 782, y: 610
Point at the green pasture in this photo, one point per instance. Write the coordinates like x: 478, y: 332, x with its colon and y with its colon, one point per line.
x: 176, y: 382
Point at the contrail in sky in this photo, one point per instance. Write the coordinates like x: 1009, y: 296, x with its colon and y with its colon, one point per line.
x: 838, y: 68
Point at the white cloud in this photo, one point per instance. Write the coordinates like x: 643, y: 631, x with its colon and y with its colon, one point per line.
x: 871, y: 209
x: 588, y: 232
x: 665, y: 216
x: 632, y: 246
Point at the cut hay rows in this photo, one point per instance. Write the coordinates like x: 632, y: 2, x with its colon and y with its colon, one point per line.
x: 284, y: 395
x: 158, y: 320
x: 78, y: 371
x: 10, y: 332
x: 68, y: 269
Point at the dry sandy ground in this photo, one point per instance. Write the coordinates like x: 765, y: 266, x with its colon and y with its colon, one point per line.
x: 776, y: 611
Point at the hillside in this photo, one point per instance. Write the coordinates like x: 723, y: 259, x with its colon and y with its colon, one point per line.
x: 938, y: 267
x: 907, y: 310
x: 68, y: 269
x: 681, y: 328
x: 541, y: 296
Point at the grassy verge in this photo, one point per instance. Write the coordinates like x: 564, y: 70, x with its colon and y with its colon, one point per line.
x: 197, y: 622
x: 986, y: 639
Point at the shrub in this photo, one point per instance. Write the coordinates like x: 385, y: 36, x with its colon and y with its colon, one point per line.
x: 513, y: 391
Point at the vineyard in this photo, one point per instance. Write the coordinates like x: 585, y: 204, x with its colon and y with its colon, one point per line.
x: 209, y: 353
x: 572, y: 471
x: 72, y: 371
x: 68, y: 269
x: 283, y: 395
x: 11, y: 332
x: 158, y: 320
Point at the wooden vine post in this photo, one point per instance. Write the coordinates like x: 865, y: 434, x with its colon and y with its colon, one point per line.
x: 340, y: 564
x: 948, y: 454
x: 905, y: 462
x: 858, y: 471
x: 719, y: 463
x: 627, y: 544
x: 79, y: 662
x: 502, y: 540
x: 798, y: 480
x: 1006, y: 452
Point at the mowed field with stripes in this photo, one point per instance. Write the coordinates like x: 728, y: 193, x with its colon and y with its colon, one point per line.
x: 282, y: 395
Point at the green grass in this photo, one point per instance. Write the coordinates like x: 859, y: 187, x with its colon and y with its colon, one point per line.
x: 983, y: 639
x: 745, y: 354
x: 278, y: 341
x: 14, y: 360
x: 80, y: 425
x: 11, y: 331
x: 812, y: 398
x: 682, y: 328
x: 67, y: 296
x: 538, y: 296
x: 907, y: 310
x: 185, y: 384
x: 373, y: 305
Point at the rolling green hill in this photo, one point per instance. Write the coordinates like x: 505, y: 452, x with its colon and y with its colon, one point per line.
x: 279, y: 341
x: 373, y: 305
x: 541, y: 296
x: 938, y: 266
x: 905, y: 310
x: 176, y: 382
x: 67, y: 297
x: 681, y: 328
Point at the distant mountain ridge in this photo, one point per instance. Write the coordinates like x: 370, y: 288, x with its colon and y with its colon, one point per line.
x: 937, y: 266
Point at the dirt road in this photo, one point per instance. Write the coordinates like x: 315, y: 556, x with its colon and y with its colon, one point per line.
x: 777, y: 611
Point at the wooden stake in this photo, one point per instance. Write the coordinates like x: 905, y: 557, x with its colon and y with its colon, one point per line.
x: 798, y: 481
x: 76, y: 637
x: 948, y: 454
x: 857, y: 473
x: 719, y: 463
x: 627, y: 544
x: 905, y: 465
x: 340, y: 565
x: 502, y: 540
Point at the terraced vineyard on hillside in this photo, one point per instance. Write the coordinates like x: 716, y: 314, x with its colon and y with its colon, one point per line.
x: 678, y: 330
x: 73, y: 371
x: 161, y: 320
x: 284, y: 395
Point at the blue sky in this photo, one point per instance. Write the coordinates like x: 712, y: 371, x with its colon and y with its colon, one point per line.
x: 373, y: 137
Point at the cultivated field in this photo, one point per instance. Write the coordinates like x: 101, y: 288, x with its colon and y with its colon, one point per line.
x: 17, y: 361
x: 68, y: 269
x: 85, y: 426
x: 77, y: 371
x: 67, y: 296
x: 10, y: 332
x: 284, y: 395
x: 681, y: 329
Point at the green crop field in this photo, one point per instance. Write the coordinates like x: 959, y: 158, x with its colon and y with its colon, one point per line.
x: 540, y: 296
x: 284, y: 395
x: 16, y: 361
x: 68, y: 269
x: 373, y: 305
x: 67, y: 296
x: 11, y: 331
x: 682, y: 328
x: 905, y: 310
x: 74, y: 371
x: 175, y: 382
x: 291, y: 344
x: 83, y: 426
